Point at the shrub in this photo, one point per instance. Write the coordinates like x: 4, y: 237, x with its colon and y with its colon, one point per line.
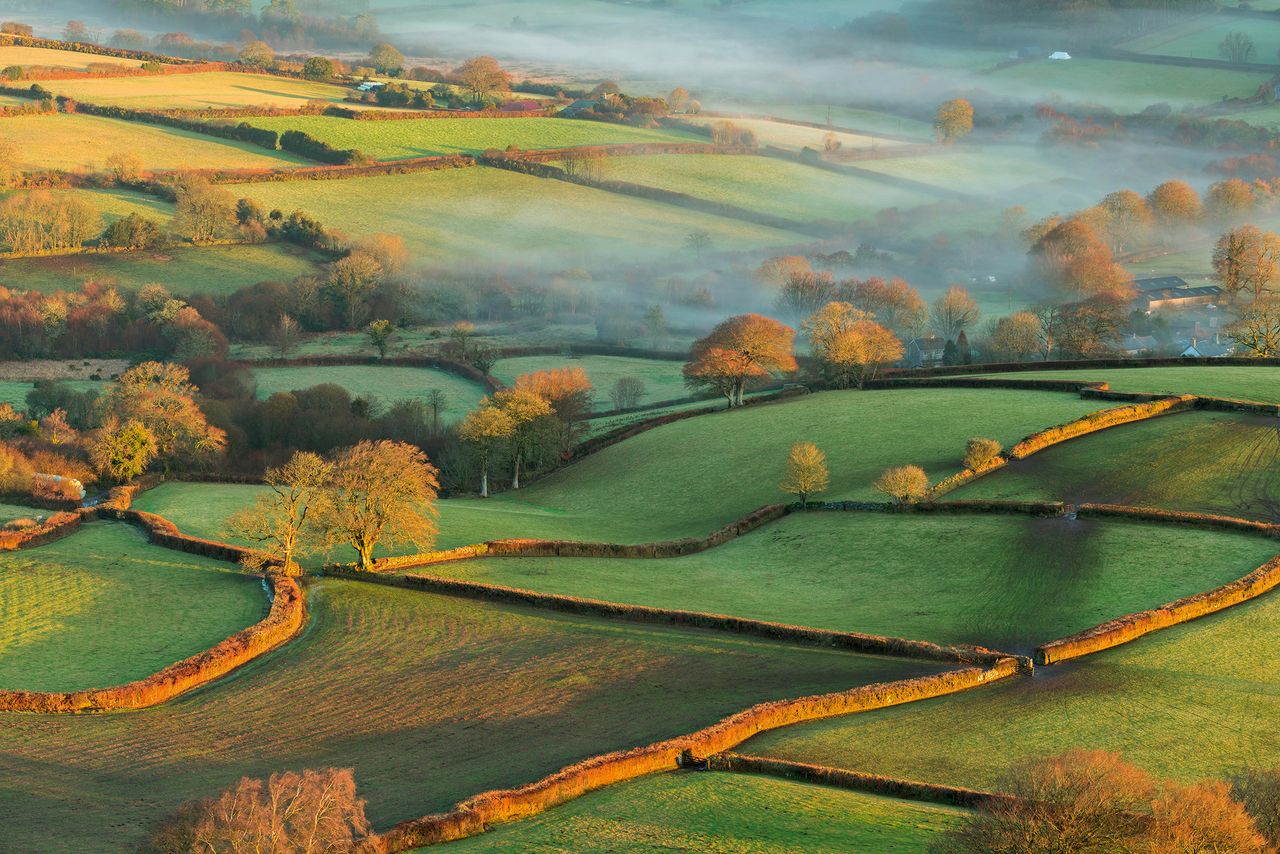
x: 132, y: 232
x: 904, y: 484
x: 979, y: 452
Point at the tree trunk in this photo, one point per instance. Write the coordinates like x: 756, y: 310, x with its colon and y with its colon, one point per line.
x: 515, y: 472
x: 484, y: 482
x: 366, y: 557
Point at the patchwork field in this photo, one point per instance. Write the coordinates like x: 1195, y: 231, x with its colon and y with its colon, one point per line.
x: 449, y: 216
x: 387, y: 384
x: 1008, y: 171
x: 69, y: 59
x: 104, y: 607
x: 429, y: 699
x: 1127, y: 86
x: 1247, y: 382
x: 713, y: 811
x: 402, y: 139
x: 183, y: 270
x: 872, y: 122
x: 1191, y: 702
x: 944, y: 578
x: 57, y: 142
x: 662, y: 379
x: 795, y: 137
x: 1200, y: 37
x: 198, y: 91
x: 1199, y: 461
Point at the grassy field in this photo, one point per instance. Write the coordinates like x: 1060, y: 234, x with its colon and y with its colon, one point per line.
x: 430, y: 699
x: 1194, y: 701
x: 198, y: 91
x: 795, y: 137
x: 950, y: 579
x: 1129, y: 86
x: 662, y: 379
x: 9, y: 512
x: 401, y: 139
x: 386, y: 383
x: 866, y: 120
x: 1200, y: 37
x: 57, y: 142
x: 766, y: 185
x: 690, y: 478
x: 14, y: 392
x: 1200, y: 461
x: 183, y: 270
x: 719, y: 812
x: 103, y: 607
x: 69, y: 59
x: 1260, y: 384
x: 1024, y: 172
x: 498, y: 217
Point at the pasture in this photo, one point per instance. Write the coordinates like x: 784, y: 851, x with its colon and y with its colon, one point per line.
x: 662, y: 379
x: 198, y: 91
x: 401, y: 139
x: 385, y: 383
x: 1207, y: 462
x: 57, y: 142
x: 14, y: 392
x: 429, y: 699
x: 9, y: 512
x: 12, y: 54
x: 103, y: 607
x: 1236, y: 382
x: 794, y: 137
x: 1190, y: 702
x: 716, y: 811
x: 1124, y: 86
x: 1199, y: 37
x: 449, y: 216
x: 945, y: 578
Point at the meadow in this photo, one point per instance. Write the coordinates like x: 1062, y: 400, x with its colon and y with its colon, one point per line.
x: 1207, y: 462
x: 1200, y: 37
x: 721, y: 812
x: 198, y: 91
x: 69, y: 59
x: 429, y: 699
x: 1125, y: 86
x: 1013, y: 171
x: 794, y: 137
x: 1236, y: 382
x: 1190, y: 702
x: 8, y: 512
x: 685, y: 479
x: 871, y: 122
x: 449, y: 216
x: 944, y: 578
x: 405, y: 138
x: 14, y: 392
x: 104, y: 607
x: 662, y: 379
x: 57, y: 142
x: 386, y: 383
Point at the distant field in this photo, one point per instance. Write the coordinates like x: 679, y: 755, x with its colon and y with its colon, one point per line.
x: 715, y: 811
x: 57, y: 142
x: 1206, y: 462
x: 1192, y: 702
x: 1260, y: 384
x: 1200, y: 37
x: 1124, y: 85
x: 662, y: 379
x: 1022, y: 172
x: 69, y: 59
x: 429, y: 699
x: 401, y: 139
x: 183, y: 270
x: 104, y: 607
x: 870, y: 121
x: 687, y: 478
x: 15, y: 392
x: 503, y: 217
x: 386, y: 383
x: 197, y: 91
x: 944, y: 578
x: 795, y: 137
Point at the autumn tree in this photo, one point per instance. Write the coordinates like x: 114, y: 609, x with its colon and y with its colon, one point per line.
x: 1229, y: 201
x: 1246, y: 262
x: 893, y: 302
x: 1176, y: 204
x: 122, y: 450
x: 385, y: 59
x: 1016, y: 337
x: 776, y: 270
x: 285, y: 336
x: 160, y: 396
x: 318, y: 68
x: 953, y: 312
x: 979, y: 452
x: 953, y: 120
x: 743, y: 348
x: 486, y: 429
x: 851, y: 347
x: 1257, y: 328
x: 380, y: 492
x: 313, y: 812
x: 1258, y: 790
x: 568, y: 390
x: 1129, y: 219
x: 803, y: 293
x: 124, y: 166
x: 380, y: 333
x: 904, y: 484
x: 806, y: 471
x: 351, y: 282
x: 37, y: 221
x: 1073, y: 260
x: 483, y: 78
x: 526, y: 411
x: 132, y: 232
x: 1082, y: 330
x: 203, y: 212
x: 282, y: 523
x: 257, y: 54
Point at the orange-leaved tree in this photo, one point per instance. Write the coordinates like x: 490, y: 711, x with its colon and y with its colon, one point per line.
x: 742, y: 348
x: 850, y: 345
x: 806, y: 471
x: 485, y: 429
x: 568, y: 390
x: 160, y: 396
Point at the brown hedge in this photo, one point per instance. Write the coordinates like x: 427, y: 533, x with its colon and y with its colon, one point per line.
x: 1179, y: 517
x: 55, y: 527
x: 1068, y: 364
x: 1095, y: 421
x: 474, y: 815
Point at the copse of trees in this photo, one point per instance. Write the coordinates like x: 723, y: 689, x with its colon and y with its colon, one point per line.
x: 849, y: 345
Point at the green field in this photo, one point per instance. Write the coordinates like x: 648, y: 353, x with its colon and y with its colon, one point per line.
x: 429, y: 699
x: 501, y: 217
x: 795, y: 137
x: 1208, y: 462
x: 183, y: 270
x: 1200, y: 37
x: 103, y: 607
x: 1006, y: 582
x: 1127, y: 86
x: 662, y: 379
x: 1026, y: 173
x: 402, y: 139
x: 387, y: 384
x: 198, y: 91
x: 870, y: 121
x: 14, y: 392
x: 8, y: 512
x: 1192, y: 702
x: 57, y: 142
x: 722, y: 813
x: 693, y: 476
x: 1237, y: 382
x: 69, y: 59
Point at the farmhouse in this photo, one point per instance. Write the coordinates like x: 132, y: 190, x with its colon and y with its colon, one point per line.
x: 925, y: 352
x: 1214, y: 349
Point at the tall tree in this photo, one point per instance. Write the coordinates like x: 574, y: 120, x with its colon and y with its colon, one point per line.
x: 1129, y: 219
x: 482, y: 77
x: 1246, y: 261
x: 282, y: 523
x: 1229, y: 201
x: 1073, y: 260
x: 1237, y: 47
x: 954, y: 312
x: 203, y: 212
x: 161, y: 397
x: 1017, y: 337
x: 486, y: 429
x: 385, y: 59
x: 1176, y: 203
x: 851, y: 347
x: 351, y: 281
x: 742, y: 348
x: 527, y: 411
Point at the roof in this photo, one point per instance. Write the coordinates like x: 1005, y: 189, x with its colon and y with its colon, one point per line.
x: 1059, y: 54
x: 933, y: 342
x: 1153, y: 294
x: 1208, y: 348
x: 1160, y: 282
x: 1139, y: 342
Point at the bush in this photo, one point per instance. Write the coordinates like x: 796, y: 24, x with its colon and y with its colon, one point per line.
x: 313, y: 149
x: 979, y: 452
x: 904, y: 484
x: 132, y: 232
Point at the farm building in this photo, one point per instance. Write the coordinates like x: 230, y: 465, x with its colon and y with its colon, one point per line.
x: 925, y: 352
x: 1059, y: 55
x: 1171, y: 292
x: 577, y: 108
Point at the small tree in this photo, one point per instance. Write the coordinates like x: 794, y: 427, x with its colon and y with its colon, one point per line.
x: 806, y: 471
x: 904, y: 484
x: 122, y: 450
x: 285, y: 335
x: 979, y: 452
x: 1237, y: 47
x: 437, y: 400
x: 257, y: 54
x: 525, y: 409
x: 385, y: 59
x: 627, y: 393
x: 282, y: 521
x: 486, y: 429
x: 318, y: 68
x: 482, y: 77
x: 380, y: 333
x: 953, y: 120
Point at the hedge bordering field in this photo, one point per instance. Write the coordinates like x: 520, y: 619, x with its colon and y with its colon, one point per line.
x: 474, y: 815
x: 1095, y: 421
